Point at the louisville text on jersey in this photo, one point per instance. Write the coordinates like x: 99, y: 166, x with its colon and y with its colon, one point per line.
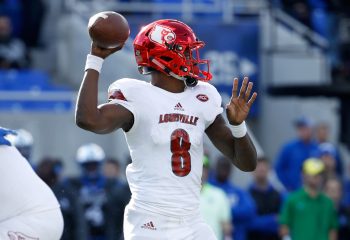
x: 178, y: 117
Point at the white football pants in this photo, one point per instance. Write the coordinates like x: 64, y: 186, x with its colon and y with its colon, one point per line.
x: 140, y: 224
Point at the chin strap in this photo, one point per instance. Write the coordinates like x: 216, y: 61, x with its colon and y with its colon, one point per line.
x: 189, y: 81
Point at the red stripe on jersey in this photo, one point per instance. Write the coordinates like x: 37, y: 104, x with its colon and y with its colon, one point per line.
x: 116, y: 94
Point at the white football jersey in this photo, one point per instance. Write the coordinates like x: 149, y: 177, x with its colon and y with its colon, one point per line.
x: 21, y: 190
x: 166, y: 143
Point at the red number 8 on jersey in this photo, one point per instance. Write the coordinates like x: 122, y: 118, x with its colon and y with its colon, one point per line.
x: 181, y: 159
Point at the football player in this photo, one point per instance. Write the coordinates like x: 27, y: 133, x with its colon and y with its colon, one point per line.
x: 29, y: 210
x: 95, y: 194
x: 164, y: 122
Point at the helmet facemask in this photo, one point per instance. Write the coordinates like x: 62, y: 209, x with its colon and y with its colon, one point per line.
x: 199, y: 68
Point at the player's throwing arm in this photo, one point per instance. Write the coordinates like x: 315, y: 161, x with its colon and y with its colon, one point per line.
x: 108, y: 32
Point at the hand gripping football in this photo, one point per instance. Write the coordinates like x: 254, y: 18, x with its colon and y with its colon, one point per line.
x: 108, y: 29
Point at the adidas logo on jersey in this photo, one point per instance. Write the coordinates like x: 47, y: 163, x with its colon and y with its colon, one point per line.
x: 149, y: 226
x: 179, y: 107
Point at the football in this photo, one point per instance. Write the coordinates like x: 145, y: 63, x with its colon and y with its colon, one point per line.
x: 108, y: 29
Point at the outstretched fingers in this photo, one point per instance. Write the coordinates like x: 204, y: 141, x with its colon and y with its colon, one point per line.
x: 248, y: 91
x: 243, y: 87
x: 234, y: 88
x: 252, y: 99
x: 244, y: 92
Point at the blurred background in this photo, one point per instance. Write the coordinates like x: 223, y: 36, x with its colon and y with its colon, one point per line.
x: 295, y: 51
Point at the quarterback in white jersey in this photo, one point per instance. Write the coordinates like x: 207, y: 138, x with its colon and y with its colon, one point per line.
x: 165, y: 174
x: 164, y: 123
x: 29, y: 210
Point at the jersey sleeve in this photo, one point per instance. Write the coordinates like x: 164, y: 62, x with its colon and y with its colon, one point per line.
x: 215, y: 107
x: 121, y: 92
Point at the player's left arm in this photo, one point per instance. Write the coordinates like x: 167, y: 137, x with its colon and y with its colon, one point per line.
x: 240, y: 150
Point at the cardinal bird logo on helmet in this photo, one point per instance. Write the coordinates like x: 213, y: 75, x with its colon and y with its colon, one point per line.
x: 161, y: 35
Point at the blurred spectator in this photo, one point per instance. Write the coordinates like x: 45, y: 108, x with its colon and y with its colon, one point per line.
x: 322, y: 134
x: 299, y: 9
x: 308, y: 214
x: 33, y: 13
x: 325, y: 21
x: 97, y: 195
x: 111, y: 169
x: 13, y: 10
x: 327, y: 154
x: 275, y: 3
x: 49, y: 170
x: 345, y: 7
x: 119, y: 197
x: 292, y: 155
x: 268, y: 202
x: 346, y: 188
x: 333, y: 189
x: 46, y: 170
x: 12, y: 50
x: 23, y: 141
x: 242, y: 205
x: 215, y: 206
x: 342, y: 72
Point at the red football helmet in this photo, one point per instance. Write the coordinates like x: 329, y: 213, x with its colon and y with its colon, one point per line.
x: 170, y: 46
